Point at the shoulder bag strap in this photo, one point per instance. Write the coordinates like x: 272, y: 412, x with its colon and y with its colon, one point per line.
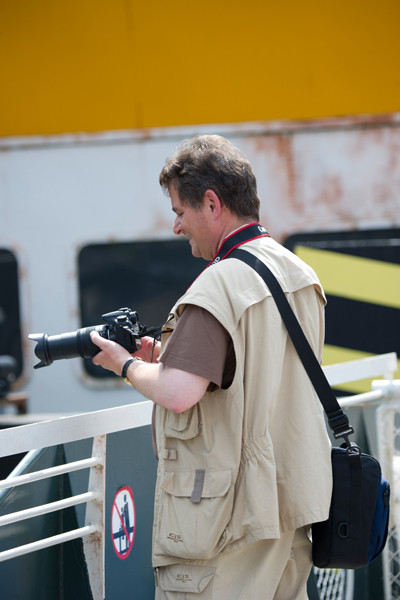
x: 337, y: 419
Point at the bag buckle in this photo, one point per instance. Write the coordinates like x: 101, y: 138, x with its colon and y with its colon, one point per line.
x: 339, y: 423
x: 345, y: 435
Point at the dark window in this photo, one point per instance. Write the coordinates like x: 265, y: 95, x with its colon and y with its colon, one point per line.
x: 145, y: 276
x: 10, y: 322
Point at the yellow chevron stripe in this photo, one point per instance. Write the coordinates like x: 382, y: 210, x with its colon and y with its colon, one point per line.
x: 353, y: 277
x: 335, y: 354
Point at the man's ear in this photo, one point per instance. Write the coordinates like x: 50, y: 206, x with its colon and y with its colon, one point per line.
x: 213, y: 203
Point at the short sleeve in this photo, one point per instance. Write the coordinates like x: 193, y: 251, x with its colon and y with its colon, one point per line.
x: 199, y: 344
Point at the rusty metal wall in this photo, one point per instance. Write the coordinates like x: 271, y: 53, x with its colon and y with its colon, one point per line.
x: 328, y: 174
x: 60, y: 193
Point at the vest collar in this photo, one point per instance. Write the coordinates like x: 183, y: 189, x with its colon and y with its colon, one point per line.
x: 237, y: 238
x: 240, y: 236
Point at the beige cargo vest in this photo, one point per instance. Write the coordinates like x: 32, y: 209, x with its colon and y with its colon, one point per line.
x: 252, y: 461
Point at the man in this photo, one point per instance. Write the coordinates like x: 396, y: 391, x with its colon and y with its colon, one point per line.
x: 244, y: 457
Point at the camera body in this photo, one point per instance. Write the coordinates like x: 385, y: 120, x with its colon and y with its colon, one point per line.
x: 121, y: 326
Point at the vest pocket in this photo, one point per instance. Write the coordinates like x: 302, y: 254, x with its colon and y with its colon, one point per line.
x: 195, y: 509
x: 183, y: 426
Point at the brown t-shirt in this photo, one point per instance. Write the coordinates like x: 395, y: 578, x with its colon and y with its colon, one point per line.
x: 200, y: 345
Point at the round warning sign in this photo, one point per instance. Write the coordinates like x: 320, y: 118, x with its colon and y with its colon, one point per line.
x: 123, y: 522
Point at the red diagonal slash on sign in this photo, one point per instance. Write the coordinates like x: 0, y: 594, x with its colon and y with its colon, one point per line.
x: 124, y: 525
x: 122, y: 522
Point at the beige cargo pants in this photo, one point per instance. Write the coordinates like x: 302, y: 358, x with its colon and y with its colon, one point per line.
x: 265, y: 570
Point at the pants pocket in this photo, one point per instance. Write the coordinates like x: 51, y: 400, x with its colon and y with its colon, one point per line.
x: 196, y: 507
x: 184, y: 582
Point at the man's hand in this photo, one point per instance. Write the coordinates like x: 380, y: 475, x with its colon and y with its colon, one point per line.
x: 150, y: 350
x: 113, y: 356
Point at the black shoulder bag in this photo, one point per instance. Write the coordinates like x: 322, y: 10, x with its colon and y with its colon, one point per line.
x: 356, y: 530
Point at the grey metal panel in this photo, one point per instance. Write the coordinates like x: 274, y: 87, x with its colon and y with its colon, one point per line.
x: 130, y: 462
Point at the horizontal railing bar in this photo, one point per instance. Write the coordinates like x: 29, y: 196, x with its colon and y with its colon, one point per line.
x: 16, y: 440
x: 361, y: 399
x: 44, y: 509
x: 50, y: 472
x: 50, y: 541
x: 362, y: 368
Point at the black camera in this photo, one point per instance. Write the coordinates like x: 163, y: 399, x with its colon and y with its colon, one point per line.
x: 8, y: 371
x: 122, y: 326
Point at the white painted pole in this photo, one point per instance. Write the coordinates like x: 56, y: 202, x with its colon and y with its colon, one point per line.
x: 48, y: 542
x: 51, y: 472
x: 44, y: 509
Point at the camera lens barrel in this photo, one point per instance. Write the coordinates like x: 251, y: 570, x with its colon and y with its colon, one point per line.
x: 66, y: 345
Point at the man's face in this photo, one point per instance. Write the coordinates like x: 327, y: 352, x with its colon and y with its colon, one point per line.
x: 194, y: 224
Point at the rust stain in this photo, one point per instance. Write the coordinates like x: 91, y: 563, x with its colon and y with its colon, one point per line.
x: 394, y: 155
x: 285, y: 151
x: 366, y: 121
x: 277, y: 178
x: 331, y: 191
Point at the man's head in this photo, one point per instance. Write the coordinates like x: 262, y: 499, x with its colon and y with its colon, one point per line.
x: 210, y: 162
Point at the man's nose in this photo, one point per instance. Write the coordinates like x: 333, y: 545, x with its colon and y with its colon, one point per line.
x: 177, y: 229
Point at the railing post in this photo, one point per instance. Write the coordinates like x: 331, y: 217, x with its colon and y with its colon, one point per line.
x: 94, y: 544
x: 388, y: 430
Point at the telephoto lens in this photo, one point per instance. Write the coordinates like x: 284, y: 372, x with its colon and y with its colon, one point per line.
x: 66, y: 345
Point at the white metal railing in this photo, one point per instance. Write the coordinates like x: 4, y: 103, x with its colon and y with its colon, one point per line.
x: 51, y: 472
x: 94, y: 425
x: 48, y: 542
x: 98, y: 424
x: 89, y: 496
x: 45, y: 509
x: 16, y: 440
x: 388, y: 423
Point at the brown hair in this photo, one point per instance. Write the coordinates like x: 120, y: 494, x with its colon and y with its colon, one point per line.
x: 212, y: 162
